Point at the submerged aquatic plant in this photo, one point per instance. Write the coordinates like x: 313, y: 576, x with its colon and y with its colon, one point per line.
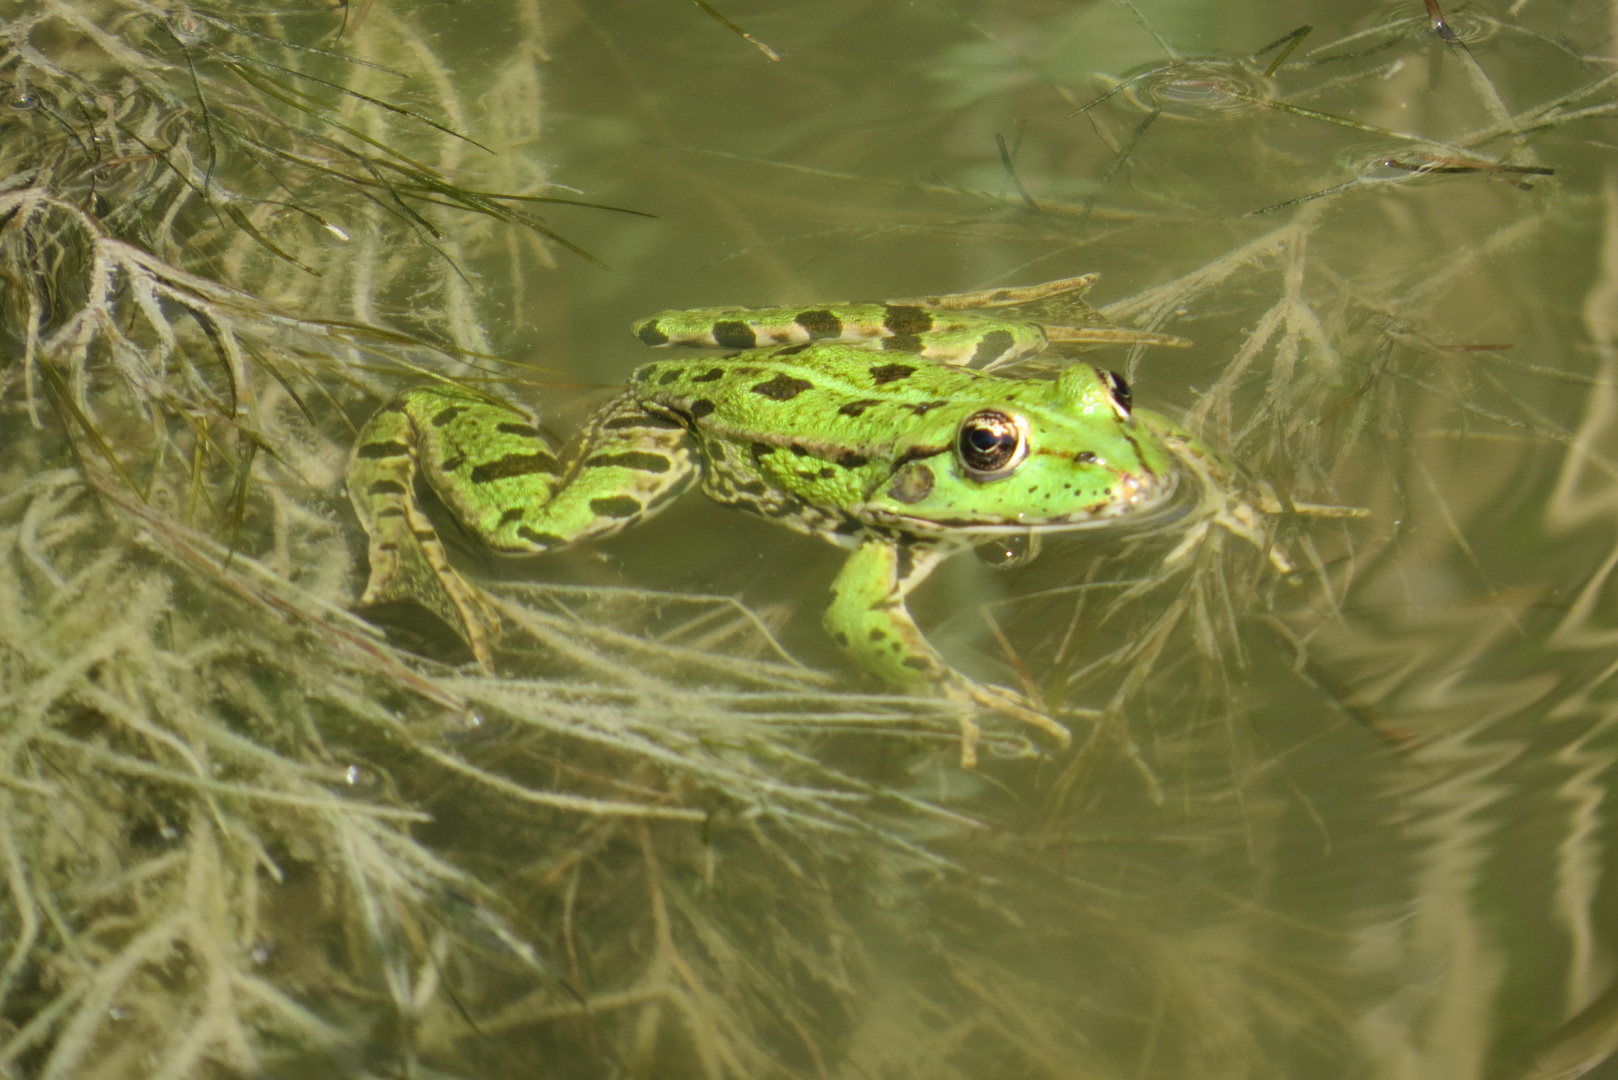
x: 241, y: 832
x: 211, y: 218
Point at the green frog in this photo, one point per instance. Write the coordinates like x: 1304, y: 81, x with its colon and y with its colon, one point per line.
x: 883, y: 428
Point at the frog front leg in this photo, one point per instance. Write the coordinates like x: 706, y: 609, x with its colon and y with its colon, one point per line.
x: 499, y: 478
x: 868, y: 618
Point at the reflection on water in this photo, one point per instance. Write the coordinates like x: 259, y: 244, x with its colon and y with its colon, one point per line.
x: 1348, y: 820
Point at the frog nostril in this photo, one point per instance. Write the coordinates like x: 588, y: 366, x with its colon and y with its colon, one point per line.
x: 1085, y: 457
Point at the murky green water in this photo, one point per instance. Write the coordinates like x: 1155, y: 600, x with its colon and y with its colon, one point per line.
x: 1348, y: 821
x: 1382, y: 846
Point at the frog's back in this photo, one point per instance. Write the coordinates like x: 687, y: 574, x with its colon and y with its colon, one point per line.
x: 824, y: 396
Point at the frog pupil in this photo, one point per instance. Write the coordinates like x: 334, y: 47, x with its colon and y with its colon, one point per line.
x: 989, y: 442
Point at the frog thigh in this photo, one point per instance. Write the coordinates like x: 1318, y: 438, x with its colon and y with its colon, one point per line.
x: 492, y: 468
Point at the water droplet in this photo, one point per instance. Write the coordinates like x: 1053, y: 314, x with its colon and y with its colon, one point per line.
x: 1005, y: 552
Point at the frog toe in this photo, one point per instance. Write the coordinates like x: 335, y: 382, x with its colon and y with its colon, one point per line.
x: 1005, y: 701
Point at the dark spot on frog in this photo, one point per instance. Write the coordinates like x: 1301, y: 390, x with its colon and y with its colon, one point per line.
x: 646, y: 420
x: 905, y: 343
x: 825, y: 474
x: 992, y: 346
x: 700, y: 408
x: 527, y: 431
x: 376, y: 450
x: 511, y: 514
x: 618, y: 506
x: 799, y: 451
x: 734, y: 335
x: 444, y: 416
x: 512, y: 465
x: 886, y: 373
x: 924, y: 407
x: 917, y: 453
x: 840, y: 637
x: 793, y: 350
x: 710, y: 375
x: 652, y: 334
x: 780, y: 337
x: 855, y: 408
x: 638, y: 460
x: 848, y: 459
x: 911, y: 484
x: 386, y: 487
x: 849, y: 526
x: 877, y: 633
x: 917, y: 663
x: 782, y: 388
x: 669, y: 376
x: 752, y: 487
x: 762, y: 449
x: 820, y: 323
x: 902, y: 319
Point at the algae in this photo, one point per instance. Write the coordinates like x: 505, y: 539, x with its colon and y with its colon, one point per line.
x: 245, y: 833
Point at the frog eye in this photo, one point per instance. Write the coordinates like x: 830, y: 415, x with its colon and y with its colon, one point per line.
x: 1122, y: 400
x: 991, y: 444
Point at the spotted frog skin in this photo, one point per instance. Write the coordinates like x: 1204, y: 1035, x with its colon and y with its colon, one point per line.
x: 862, y: 424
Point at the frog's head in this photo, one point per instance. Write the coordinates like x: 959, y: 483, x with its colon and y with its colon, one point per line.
x: 1068, y: 454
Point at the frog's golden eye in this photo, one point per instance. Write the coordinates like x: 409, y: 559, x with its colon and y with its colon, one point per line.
x: 991, y: 444
x: 1122, y: 399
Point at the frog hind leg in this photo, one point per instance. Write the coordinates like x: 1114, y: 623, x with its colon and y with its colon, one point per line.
x: 869, y: 618
x: 495, y: 473
x: 407, y: 561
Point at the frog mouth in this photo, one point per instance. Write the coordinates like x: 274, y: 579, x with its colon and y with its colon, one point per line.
x: 1150, y: 501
